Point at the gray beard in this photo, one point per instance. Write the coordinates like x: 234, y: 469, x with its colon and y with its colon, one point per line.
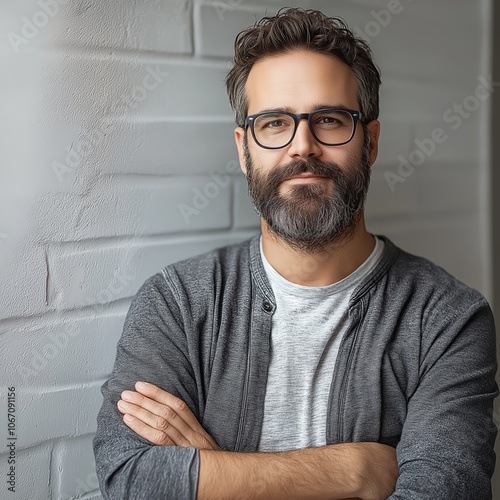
x: 308, y: 219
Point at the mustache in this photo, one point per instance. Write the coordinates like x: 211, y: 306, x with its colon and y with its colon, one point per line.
x: 313, y: 166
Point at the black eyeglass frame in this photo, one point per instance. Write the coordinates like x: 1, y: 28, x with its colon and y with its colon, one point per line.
x: 356, y: 116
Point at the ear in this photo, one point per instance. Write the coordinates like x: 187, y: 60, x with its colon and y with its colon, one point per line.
x: 239, y: 134
x: 374, y: 131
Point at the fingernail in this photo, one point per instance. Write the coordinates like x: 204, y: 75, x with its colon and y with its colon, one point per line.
x: 123, y: 405
x: 127, y: 395
x: 141, y: 385
x: 128, y: 418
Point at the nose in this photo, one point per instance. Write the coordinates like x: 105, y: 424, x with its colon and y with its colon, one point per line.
x: 304, y: 144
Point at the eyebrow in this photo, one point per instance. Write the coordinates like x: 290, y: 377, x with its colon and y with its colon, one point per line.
x: 315, y: 107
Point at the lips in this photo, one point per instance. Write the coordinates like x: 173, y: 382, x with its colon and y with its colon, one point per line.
x: 306, y: 176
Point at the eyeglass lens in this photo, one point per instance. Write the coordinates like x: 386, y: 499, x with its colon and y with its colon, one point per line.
x: 330, y: 127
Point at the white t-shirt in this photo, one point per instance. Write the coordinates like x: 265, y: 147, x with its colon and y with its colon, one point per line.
x: 307, y: 328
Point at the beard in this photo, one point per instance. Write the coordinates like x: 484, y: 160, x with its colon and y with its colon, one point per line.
x: 307, y: 217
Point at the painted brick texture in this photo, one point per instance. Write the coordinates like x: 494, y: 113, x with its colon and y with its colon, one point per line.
x: 119, y: 159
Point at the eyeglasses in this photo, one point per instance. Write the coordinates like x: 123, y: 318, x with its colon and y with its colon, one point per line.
x: 329, y: 126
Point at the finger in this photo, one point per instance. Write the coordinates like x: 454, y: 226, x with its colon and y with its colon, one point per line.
x: 161, y: 420
x: 151, y: 427
x: 178, y: 405
x: 168, y: 406
x: 161, y: 416
x: 160, y: 432
x: 188, y: 424
x: 146, y: 432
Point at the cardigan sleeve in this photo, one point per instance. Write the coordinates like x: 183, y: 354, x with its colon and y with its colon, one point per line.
x: 152, y: 348
x: 447, y: 443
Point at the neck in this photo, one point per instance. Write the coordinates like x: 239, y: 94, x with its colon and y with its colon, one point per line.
x: 322, y: 268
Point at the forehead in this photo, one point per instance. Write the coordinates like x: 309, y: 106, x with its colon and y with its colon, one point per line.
x: 298, y: 81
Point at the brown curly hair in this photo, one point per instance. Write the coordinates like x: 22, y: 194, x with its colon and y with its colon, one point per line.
x: 296, y: 28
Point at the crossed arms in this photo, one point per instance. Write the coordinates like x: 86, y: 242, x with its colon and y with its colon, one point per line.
x: 445, y: 448
x: 350, y: 470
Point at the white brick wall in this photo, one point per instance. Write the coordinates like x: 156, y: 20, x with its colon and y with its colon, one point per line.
x: 119, y: 159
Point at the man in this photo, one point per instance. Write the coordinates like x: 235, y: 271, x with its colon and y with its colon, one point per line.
x: 314, y: 360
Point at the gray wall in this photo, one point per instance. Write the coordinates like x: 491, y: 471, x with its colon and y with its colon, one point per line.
x: 494, y: 199
x: 495, y: 172
x: 114, y: 124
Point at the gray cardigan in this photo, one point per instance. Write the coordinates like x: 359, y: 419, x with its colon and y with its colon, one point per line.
x: 415, y: 370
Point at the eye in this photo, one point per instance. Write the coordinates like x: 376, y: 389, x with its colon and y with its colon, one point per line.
x: 333, y: 119
x: 328, y: 119
x: 273, y: 121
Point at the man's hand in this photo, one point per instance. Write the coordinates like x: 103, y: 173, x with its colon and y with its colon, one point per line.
x: 162, y: 418
x: 366, y: 471
x: 377, y: 465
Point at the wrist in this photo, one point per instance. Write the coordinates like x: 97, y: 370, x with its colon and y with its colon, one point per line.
x: 329, y: 471
x: 374, y: 469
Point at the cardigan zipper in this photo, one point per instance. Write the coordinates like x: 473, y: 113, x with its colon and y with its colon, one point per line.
x: 343, y: 385
x: 245, y: 395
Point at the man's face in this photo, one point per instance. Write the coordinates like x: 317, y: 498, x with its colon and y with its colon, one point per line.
x: 309, y: 213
